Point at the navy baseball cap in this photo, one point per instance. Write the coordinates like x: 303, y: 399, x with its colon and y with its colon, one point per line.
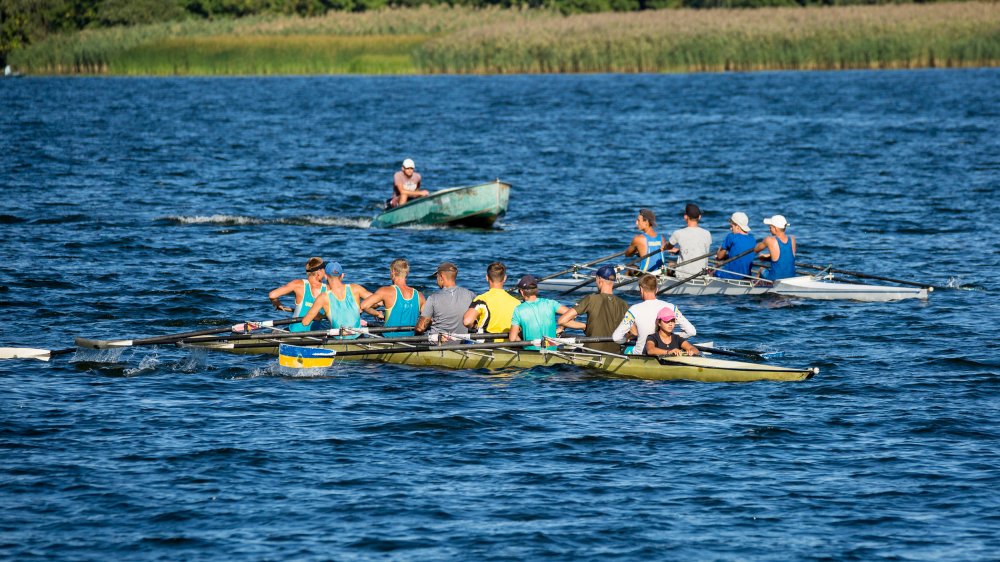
x: 606, y: 272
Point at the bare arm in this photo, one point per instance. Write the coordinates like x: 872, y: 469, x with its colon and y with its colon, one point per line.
x: 423, y: 323
x: 568, y: 319
x: 514, y: 334
x: 471, y: 318
x: 689, y: 349
x: 361, y: 293
x: 318, y: 306
x: 293, y: 286
x: 637, y: 247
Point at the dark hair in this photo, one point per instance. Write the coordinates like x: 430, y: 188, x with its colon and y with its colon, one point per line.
x: 496, y: 271
x: 530, y: 292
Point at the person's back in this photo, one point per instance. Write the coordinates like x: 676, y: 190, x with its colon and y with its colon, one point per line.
x: 444, y: 310
x: 535, y: 318
x: 782, y: 266
x: 693, y: 241
x: 604, y: 314
x: 736, y: 244
x: 490, y: 312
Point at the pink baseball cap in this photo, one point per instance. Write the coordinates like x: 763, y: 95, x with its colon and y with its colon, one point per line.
x: 666, y: 315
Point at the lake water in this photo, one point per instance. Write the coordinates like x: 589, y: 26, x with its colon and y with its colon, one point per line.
x: 138, y: 207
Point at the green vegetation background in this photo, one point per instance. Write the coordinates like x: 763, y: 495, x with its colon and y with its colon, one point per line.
x: 163, y: 37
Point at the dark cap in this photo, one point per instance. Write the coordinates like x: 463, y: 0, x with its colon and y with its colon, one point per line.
x: 692, y: 211
x: 445, y: 267
x: 528, y: 282
x: 606, y: 272
x: 649, y: 215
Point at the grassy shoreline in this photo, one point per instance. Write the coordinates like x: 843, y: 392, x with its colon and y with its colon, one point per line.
x: 443, y: 40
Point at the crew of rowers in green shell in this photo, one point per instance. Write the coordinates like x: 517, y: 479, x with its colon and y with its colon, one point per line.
x: 453, y: 309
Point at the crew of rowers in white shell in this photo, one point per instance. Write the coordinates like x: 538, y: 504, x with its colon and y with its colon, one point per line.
x: 456, y: 310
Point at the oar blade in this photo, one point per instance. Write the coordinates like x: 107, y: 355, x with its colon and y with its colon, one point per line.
x: 101, y: 344
x: 25, y: 353
x: 303, y: 357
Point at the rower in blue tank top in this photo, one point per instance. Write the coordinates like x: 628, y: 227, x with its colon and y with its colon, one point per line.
x: 305, y: 290
x: 341, y: 301
x: 647, y: 242
x: 399, y: 310
x: 780, y: 249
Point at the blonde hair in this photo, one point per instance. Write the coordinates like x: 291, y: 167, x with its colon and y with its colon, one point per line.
x: 399, y: 268
x: 313, y: 263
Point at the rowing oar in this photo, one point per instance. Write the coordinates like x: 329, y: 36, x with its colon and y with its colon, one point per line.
x: 574, y: 268
x: 746, y: 353
x: 174, y: 338
x: 331, y: 354
x: 704, y: 271
x: 319, y: 339
x: 46, y: 354
x: 868, y: 276
x: 335, y: 332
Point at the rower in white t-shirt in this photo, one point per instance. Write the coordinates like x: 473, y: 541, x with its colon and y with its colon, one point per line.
x: 640, y: 320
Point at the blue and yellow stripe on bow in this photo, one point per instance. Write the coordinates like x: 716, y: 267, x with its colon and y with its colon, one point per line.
x: 302, y: 357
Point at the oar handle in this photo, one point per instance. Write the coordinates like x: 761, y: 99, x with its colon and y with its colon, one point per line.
x: 174, y: 338
x: 702, y: 272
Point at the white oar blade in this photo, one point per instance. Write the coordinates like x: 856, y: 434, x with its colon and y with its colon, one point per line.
x: 25, y: 353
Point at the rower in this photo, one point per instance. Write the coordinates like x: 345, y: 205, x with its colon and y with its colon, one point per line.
x: 647, y: 242
x: 640, y: 320
x: 341, y: 301
x: 690, y: 242
x: 534, y: 318
x: 491, y: 311
x: 604, y: 311
x: 664, y: 341
x: 780, y: 249
x: 444, y: 310
x: 402, y: 302
x: 406, y: 185
x: 306, y: 290
x: 737, y: 242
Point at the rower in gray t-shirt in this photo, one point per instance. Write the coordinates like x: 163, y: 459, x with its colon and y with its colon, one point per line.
x: 446, y: 308
x: 690, y: 242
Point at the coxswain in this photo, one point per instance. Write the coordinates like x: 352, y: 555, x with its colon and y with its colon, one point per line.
x: 444, y: 310
x: 534, y: 318
x: 640, y: 320
x: 406, y: 185
x: 341, y: 302
x: 402, y: 303
x: 737, y: 242
x: 780, y: 250
x: 491, y: 311
x: 306, y: 290
x: 647, y: 243
x: 664, y: 341
x: 604, y: 311
x: 690, y: 243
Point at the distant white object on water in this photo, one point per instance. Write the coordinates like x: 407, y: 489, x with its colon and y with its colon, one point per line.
x: 7, y: 70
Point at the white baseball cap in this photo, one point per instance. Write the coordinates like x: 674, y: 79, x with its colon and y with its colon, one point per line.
x: 741, y: 220
x: 777, y: 221
x: 408, y: 163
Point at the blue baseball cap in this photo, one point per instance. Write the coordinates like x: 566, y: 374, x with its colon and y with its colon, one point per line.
x: 333, y: 269
x: 607, y: 272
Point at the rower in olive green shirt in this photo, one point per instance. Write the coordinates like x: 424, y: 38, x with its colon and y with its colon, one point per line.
x: 604, y: 311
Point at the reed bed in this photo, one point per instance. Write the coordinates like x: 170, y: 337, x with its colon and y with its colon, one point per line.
x: 494, y: 41
x: 888, y: 36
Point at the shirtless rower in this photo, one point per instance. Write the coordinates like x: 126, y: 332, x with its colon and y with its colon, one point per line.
x: 341, y: 302
x: 780, y: 250
x: 306, y: 290
x: 647, y: 241
x: 406, y: 185
x: 402, y: 302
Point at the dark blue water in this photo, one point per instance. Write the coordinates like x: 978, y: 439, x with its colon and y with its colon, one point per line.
x: 142, y: 207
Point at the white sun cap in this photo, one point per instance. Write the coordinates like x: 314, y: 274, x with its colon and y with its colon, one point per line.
x: 741, y: 220
x: 408, y: 163
x: 777, y: 221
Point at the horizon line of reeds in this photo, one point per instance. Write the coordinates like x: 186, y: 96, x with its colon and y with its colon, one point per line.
x: 495, y: 41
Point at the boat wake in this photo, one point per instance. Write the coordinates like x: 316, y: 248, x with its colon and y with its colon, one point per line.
x: 242, y: 220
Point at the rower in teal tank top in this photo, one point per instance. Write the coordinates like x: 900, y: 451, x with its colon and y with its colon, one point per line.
x: 403, y: 313
x: 655, y: 261
x: 303, y: 307
x: 344, y: 313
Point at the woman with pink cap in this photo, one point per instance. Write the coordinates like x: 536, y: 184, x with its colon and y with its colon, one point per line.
x: 663, y: 341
